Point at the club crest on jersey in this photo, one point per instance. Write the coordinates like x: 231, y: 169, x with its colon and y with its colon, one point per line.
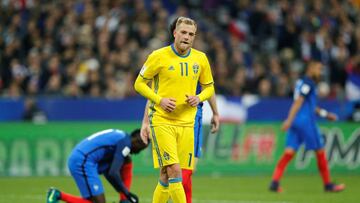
x: 171, y: 68
x: 166, y: 156
x: 195, y: 68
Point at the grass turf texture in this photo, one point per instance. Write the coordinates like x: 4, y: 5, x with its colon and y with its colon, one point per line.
x: 226, y: 189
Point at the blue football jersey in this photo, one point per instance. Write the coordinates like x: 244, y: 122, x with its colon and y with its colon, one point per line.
x: 306, y: 88
x: 100, y: 153
x: 100, y: 147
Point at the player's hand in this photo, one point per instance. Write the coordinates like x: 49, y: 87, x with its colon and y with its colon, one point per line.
x: 286, y: 125
x: 145, y: 132
x: 215, y: 123
x: 192, y: 100
x: 331, y: 117
x: 132, y: 198
x: 168, y: 104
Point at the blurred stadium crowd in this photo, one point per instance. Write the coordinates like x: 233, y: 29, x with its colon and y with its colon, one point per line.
x: 93, y: 48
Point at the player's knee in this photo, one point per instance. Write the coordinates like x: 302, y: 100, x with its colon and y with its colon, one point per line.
x: 163, y: 175
x: 173, y: 171
x: 290, y: 151
x: 320, y: 151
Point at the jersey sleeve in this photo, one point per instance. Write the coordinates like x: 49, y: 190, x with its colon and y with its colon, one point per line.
x: 122, y: 150
x: 148, y: 71
x: 305, y: 89
x: 205, y: 74
x: 151, y: 66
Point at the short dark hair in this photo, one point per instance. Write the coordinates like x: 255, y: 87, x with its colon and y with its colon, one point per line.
x: 172, y: 27
x: 137, y: 144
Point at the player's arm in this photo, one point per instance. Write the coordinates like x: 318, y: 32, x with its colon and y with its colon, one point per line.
x: 145, y: 126
x: 323, y: 113
x: 126, y: 176
x: 141, y: 86
x: 207, y: 84
x: 215, y: 120
x: 205, y: 94
x: 150, y: 69
x: 168, y: 104
x: 296, y: 105
x: 207, y: 91
x: 113, y: 175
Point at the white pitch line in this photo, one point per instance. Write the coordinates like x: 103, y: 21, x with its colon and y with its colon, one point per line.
x: 145, y: 200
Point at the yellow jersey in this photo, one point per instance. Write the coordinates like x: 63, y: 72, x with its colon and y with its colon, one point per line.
x: 175, y: 76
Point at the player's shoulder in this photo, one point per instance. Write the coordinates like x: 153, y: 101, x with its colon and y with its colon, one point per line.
x: 308, y: 81
x: 197, y: 52
x: 305, y: 85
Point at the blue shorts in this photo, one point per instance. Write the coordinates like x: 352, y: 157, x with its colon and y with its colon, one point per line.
x: 308, y: 134
x: 85, y: 174
x: 198, y: 135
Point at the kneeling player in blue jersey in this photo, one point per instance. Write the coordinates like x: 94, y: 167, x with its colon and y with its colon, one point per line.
x: 105, y: 152
x: 302, y: 129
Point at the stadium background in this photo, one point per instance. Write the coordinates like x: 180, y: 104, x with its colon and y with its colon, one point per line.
x: 67, y: 70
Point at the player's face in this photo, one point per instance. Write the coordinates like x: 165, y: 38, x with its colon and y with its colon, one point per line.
x: 184, y: 35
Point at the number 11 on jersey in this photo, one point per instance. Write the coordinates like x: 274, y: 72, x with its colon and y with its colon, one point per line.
x: 182, y: 68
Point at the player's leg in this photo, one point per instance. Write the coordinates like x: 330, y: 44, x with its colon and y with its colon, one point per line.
x: 293, y: 141
x: 54, y: 195
x: 197, y: 138
x: 187, y: 184
x: 87, y: 180
x: 325, y: 173
x: 187, y: 173
x: 315, y: 142
x: 176, y: 189
x: 126, y: 175
x: 165, y: 156
x: 183, y: 149
x: 98, y: 199
x: 161, y: 193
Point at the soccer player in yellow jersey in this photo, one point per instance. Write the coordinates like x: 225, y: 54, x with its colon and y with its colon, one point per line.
x: 174, y: 72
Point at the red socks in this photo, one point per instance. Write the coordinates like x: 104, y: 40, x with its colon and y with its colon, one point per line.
x: 126, y: 176
x: 281, y: 166
x: 73, y: 199
x: 323, y: 166
x: 321, y: 162
x: 187, y: 184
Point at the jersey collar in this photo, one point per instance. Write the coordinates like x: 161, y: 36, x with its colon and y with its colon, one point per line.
x: 307, y: 78
x: 182, y: 56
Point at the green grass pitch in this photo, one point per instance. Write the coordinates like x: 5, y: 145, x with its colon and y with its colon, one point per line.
x: 226, y: 189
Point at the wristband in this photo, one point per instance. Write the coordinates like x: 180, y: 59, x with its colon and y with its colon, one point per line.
x: 323, y: 113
